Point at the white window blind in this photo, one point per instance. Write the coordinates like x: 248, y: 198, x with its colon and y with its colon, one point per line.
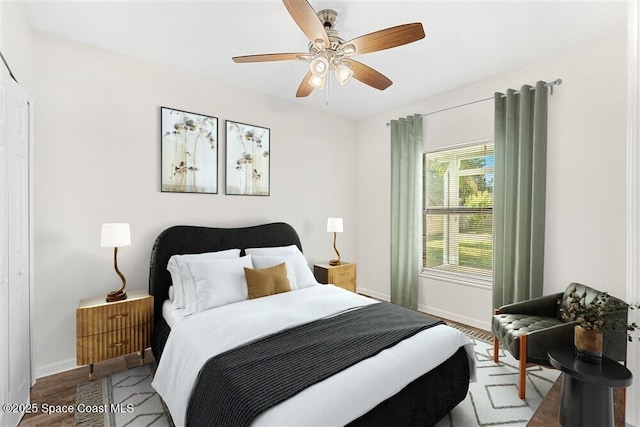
x: 458, y: 211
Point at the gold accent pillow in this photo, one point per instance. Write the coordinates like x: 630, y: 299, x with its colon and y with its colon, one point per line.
x: 267, y: 281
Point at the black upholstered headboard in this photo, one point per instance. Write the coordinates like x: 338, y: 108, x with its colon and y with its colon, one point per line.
x: 187, y: 239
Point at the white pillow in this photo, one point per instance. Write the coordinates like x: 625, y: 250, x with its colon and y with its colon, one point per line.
x: 178, y: 292
x: 219, y: 282
x: 276, y: 250
x: 298, y: 270
x: 184, y: 288
x: 171, y: 293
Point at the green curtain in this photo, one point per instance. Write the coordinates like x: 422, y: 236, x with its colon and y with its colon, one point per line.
x: 406, y: 155
x: 519, y: 193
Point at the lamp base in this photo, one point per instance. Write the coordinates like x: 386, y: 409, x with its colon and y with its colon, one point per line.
x: 334, y: 262
x: 118, y: 295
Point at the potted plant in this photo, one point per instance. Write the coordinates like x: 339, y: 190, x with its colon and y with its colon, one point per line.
x: 591, y: 319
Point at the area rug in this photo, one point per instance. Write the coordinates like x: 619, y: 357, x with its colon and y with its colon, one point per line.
x: 123, y: 399
x: 493, y: 399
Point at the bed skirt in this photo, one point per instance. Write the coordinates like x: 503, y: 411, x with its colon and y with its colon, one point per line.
x: 426, y: 400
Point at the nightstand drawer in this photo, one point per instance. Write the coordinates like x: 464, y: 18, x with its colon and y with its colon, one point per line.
x: 342, y: 274
x: 95, y: 348
x: 350, y: 286
x: 93, y: 320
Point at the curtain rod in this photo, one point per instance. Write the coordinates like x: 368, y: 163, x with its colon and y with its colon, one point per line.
x: 556, y: 82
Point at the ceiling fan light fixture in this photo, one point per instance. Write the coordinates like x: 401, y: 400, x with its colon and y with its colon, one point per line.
x: 319, y: 44
x: 343, y: 73
x: 319, y: 67
x: 317, y: 82
x: 349, y: 49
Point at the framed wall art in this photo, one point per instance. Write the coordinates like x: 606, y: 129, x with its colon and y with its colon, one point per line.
x: 248, y: 159
x: 189, y: 155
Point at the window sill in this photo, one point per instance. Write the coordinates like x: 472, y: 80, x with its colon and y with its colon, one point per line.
x: 458, y: 279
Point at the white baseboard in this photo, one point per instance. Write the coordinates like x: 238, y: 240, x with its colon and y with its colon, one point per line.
x: 485, y: 326
x: 374, y: 294
x: 55, y: 368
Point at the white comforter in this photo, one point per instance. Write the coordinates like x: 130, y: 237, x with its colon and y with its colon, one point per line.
x: 344, y: 396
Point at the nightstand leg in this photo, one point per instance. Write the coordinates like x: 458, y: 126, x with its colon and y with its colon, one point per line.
x: 91, y: 372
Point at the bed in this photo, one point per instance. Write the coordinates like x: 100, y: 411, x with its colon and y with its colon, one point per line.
x: 401, y: 384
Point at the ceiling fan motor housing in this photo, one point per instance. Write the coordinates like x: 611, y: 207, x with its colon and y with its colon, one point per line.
x: 328, y: 17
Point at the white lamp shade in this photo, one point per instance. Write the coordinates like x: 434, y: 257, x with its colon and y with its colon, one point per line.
x: 343, y: 74
x: 115, y: 235
x: 319, y: 67
x: 334, y: 225
x: 317, y: 82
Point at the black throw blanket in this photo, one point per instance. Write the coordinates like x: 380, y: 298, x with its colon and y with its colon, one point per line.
x: 235, y: 387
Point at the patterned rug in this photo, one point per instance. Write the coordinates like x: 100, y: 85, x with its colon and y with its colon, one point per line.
x: 492, y: 400
x: 123, y: 399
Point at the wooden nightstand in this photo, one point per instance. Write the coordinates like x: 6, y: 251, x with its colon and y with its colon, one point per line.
x: 105, y: 330
x: 343, y: 275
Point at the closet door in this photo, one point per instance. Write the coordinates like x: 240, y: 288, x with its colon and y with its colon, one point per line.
x: 18, y: 167
x: 16, y: 164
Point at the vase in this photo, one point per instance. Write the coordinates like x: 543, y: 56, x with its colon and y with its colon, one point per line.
x: 588, y: 344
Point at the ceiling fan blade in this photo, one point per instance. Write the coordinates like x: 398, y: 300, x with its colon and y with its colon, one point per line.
x: 387, y: 38
x: 368, y: 75
x: 305, y: 88
x: 307, y: 19
x: 267, y: 57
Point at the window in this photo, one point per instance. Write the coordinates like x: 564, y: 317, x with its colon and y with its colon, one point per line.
x: 457, y: 220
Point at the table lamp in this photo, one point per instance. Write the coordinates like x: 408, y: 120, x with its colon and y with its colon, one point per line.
x: 334, y: 225
x: 113, y: 236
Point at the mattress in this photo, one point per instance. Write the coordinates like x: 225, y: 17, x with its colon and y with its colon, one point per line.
x: 170, y: 314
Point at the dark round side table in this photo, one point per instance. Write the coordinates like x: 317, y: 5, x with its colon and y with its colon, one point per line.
x: 587, y: 388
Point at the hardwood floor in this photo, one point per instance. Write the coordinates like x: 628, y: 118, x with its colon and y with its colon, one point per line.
x: 60, y: 389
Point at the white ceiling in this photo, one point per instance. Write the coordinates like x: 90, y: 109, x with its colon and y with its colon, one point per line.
x: 465, y: 41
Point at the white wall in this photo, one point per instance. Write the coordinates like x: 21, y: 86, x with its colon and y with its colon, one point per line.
x: 15, y: 42
x: 585, y: 227
x: 97, y: 159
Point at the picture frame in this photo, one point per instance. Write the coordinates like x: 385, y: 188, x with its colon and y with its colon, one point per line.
x: 248, y: 159
x: 189, y: 152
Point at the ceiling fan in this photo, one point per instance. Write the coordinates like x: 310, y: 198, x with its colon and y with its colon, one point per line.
x: 328, y: 52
